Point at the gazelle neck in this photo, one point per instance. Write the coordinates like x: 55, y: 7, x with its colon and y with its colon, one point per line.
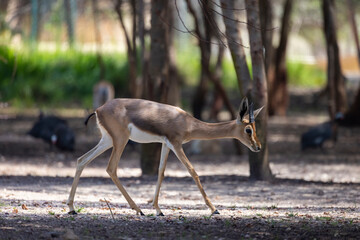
x: 203, y: 130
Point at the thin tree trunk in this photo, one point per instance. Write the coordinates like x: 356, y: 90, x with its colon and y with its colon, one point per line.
x: 70, y: 20
x: 215, y: 78
x: 98, y: 40
x: 34, y: 20
x: 15, y: 17
x: 143, y: 51
x: 131, y: 49
x: 158, y: 75
x: 136, y: 83
x: 336, y: 84
x: 354, y: 29
x: 259, y: 162
x: 205, y: 41
x: 278, y: 92
x: 266, y: 21
x: 159, y: 50
x: 198, y: 103
x: 3, y: 7
x: 237, y: 51
x: 235, y: 45
x: 352, y: 116
x: 218, y: 101
x: 175, y: 79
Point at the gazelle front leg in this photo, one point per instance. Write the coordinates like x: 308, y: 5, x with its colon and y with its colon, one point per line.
x: 163, y: 159
x: 104, y: 144
x: 179, y: 152
x: 118, y: 148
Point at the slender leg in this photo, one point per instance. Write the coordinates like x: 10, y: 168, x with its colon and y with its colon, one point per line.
x: 163, y: 159
x: 182, y: 157
x: 111, y: 170
x: 104, y: 144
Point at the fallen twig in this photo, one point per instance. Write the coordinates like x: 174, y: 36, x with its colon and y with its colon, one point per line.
x: 107, y: 203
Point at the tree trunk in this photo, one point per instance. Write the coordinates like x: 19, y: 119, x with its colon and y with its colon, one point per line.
x: 237, y: 51
x: 98, y: 40
x: 34, y: 21
x: 175, y: 78
x: 354, y: 29
x: 15, y: 24
x: 220, y: 92
x: 158, y: 75
x: 336, y: 84
x: 159, y: 50
x: 198, y: 103
x: 235, y: 45
x: 266, y: 22
x: 3, y: 7
x: 70, y: 6
x: 134, y: 88
x: 140, y: 11
x: 208, y: 23
x: 352, y: 116
x: 259, y: 162
x: 278, y: 92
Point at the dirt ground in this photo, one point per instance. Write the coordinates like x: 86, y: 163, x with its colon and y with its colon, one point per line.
x: 315, y: 194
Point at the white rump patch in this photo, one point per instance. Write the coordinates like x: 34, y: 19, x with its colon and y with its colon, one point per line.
x: 105, y: 136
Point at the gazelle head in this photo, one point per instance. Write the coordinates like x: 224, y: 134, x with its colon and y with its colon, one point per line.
x: 246, y: 132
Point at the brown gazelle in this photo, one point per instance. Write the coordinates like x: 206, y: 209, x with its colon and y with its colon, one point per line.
x: 145, y: 121
x: 103, y: 92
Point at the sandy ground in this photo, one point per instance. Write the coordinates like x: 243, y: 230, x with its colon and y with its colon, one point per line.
x: 315, y: 194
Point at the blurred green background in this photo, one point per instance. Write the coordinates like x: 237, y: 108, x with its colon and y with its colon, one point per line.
x: 40, y: 68
x: 39, y: 78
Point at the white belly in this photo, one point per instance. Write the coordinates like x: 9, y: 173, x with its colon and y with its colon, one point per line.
x: 140, y: 136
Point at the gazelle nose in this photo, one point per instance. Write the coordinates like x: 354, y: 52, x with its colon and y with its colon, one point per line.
x: 258, y: 148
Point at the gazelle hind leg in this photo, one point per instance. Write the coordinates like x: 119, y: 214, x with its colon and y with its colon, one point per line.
x: 179, y: 152
x: 104, y: 144
x: 118, y: 149
x: 163, y: 159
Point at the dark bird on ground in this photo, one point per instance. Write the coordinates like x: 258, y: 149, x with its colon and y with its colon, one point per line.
x: 316, y: 136
x: 54, y: 131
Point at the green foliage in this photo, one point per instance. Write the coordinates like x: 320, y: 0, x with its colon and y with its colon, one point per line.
x: 299, y: 74
x: 188, y: 63
x: 57, y: 78
x: 305, y: 75
x: 64, y: 78
x: 229, y: 75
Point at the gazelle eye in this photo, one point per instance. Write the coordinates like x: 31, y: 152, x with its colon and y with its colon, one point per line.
x: 248, y: 130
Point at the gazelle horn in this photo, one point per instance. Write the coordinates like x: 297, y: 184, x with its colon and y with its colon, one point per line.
x: 251, y: 113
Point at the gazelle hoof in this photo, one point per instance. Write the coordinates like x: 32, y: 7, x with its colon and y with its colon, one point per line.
x: 72, y: 212
x: 141, y: 213
x: 215, y: 212
x: 160, y: 214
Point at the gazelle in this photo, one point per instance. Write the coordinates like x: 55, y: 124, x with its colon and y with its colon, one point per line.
x: 145, y: 121
x: 103, y: 92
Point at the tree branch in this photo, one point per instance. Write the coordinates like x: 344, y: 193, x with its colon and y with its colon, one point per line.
x: 117, y: 7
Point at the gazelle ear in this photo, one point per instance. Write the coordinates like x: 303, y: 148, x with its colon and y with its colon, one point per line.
x: 257, y: 111
x: 244, y: 107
